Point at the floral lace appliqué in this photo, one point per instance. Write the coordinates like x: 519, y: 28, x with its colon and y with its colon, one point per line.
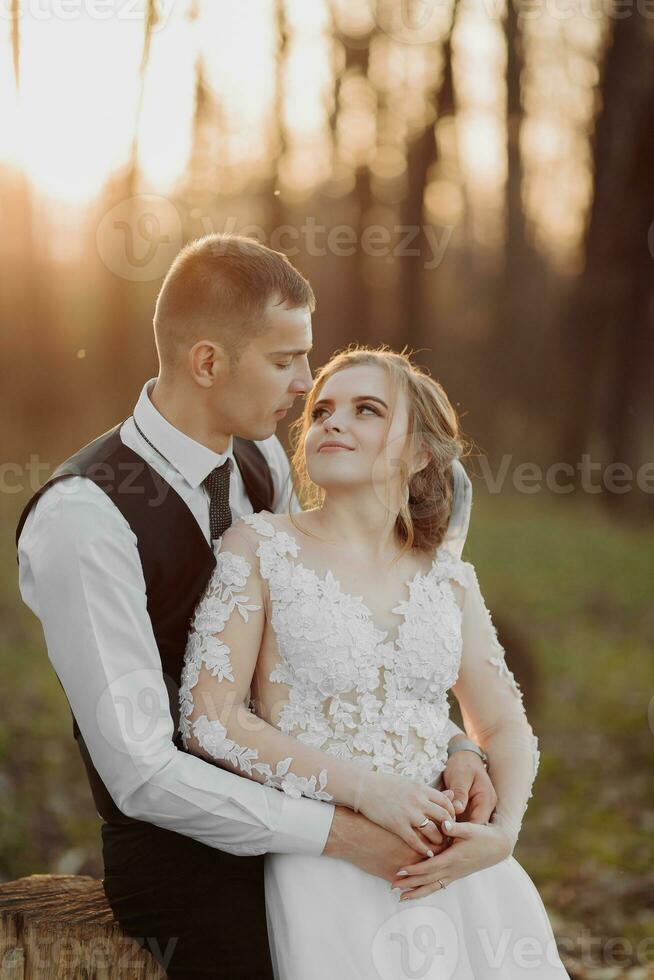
x: 212, y: 737
x: 499, y: 662
x: 352, y: 692
x: 224, y: 596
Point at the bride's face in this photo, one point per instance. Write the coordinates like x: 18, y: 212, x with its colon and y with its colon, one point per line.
x: 352, y: 411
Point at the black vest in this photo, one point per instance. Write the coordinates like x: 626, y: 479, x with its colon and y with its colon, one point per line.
x: 176, y: 558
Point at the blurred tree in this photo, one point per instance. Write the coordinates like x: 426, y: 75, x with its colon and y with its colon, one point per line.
x: 353, y: 78
x: 610, y: 328
x: 29, y: 332
x: 276, y: 214
x: 422, y: 158
x: 118, y: 317
x: 516, y: 238
x: 200, y: 183
x: 15, y: 40
x: 511, y: 343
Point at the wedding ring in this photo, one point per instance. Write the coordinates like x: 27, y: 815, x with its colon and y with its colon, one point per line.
x: 441, y: 883
x: 424, y: 823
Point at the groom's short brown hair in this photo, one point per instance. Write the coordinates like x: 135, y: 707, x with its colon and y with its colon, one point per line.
x: 218, y: 288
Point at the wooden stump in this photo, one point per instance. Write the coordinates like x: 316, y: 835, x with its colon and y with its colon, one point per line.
x: 60, y: 927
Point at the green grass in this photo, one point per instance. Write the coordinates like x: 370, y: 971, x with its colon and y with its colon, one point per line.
x: 577, y: 588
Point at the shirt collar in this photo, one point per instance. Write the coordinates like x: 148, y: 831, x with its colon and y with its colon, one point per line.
x: 190, y: 458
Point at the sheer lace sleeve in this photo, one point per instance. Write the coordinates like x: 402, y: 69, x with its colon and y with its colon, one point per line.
x: 493, y: 711
x: 216, y: 721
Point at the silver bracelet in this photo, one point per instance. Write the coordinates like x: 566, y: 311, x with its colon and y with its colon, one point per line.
x: 468, y: 745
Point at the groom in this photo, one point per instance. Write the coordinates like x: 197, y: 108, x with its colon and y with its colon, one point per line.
x: 116, y: 549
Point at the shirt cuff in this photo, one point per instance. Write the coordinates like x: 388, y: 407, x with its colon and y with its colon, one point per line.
x: 303, y: 826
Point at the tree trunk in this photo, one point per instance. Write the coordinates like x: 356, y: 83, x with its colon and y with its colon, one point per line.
x: 608, y: 345
x: 509, y: 348
x: 422, y: 156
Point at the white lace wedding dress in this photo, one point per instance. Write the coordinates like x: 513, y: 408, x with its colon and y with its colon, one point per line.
x: 336, y: 692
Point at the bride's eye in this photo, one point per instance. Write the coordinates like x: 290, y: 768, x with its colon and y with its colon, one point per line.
x: 282, y: 366
x: 318, y: 411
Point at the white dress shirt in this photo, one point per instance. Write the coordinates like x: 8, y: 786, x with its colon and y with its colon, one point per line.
x: 81, y: 574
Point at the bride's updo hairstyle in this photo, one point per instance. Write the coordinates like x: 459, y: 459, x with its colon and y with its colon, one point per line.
x: 433, y: 427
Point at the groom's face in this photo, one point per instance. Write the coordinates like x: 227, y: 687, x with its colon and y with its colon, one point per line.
x: 272, y: 372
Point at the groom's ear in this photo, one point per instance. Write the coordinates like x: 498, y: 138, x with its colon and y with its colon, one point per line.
x: 208, y: 361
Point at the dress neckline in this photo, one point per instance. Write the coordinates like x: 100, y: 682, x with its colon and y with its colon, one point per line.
x: 327, y: 579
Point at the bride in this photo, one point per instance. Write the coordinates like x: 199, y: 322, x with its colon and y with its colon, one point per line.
x: 319, y: 662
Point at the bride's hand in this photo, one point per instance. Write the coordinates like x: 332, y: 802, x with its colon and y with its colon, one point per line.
x: 473, y: 848
x: 399, y: 804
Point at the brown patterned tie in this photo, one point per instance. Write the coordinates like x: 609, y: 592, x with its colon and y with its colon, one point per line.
x: 217, y: 484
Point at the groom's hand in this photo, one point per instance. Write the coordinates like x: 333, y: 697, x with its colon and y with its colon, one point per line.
x: 378, y: 851
x: 474, y: 794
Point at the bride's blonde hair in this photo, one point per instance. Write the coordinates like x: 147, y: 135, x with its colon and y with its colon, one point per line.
x: 433, y: 428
